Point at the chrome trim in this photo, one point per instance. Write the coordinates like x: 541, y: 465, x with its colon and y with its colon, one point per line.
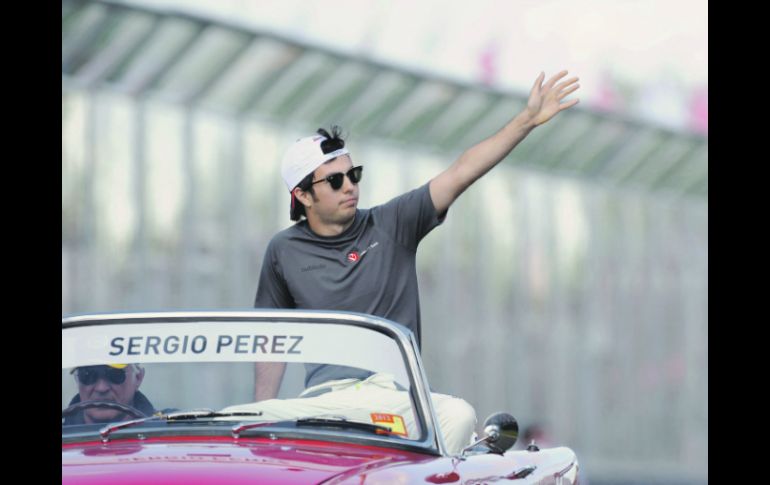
x: 105, y: 431
x: 522, y: 473
x: 566, y: 469
x: 236, y: 430
x: 429, y: 416
x: 491, y: 435
x: 404, y: 337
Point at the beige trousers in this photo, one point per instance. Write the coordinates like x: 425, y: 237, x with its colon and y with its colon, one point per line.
x: 377, y: 400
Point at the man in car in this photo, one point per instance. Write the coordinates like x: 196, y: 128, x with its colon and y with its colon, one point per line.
x: 364, y: 260
x: 118, y: 383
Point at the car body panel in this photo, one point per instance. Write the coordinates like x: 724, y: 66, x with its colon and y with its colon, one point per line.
x: 222, y: 460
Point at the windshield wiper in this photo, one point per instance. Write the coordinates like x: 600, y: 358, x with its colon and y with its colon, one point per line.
x: 341, y: 422
x: 175, y: 416
x: 106, y: 430
x: 205, y: 413
x: 335, y: 421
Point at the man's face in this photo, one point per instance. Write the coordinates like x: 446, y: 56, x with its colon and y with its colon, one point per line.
x: 104, y: 388
x: 334, y: 206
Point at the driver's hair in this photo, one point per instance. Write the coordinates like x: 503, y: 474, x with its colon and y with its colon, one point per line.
x: 137, y: 368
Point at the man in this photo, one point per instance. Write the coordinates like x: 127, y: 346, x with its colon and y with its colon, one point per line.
x: 117, y: 383
x: 344, y: 258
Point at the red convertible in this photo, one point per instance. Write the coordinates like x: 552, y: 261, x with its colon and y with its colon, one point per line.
x: 169, y: 398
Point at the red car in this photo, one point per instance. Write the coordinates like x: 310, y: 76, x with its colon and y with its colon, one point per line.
x: 170, y: 398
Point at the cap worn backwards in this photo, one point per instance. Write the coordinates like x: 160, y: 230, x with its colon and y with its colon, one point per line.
x: 303, y: 157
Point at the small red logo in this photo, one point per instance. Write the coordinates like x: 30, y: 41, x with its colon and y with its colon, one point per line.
x: 353, y: 256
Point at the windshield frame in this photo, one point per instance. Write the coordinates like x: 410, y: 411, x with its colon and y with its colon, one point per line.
x: 432, y: 441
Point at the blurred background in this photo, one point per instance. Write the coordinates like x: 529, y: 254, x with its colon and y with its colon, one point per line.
x: 569, y: 286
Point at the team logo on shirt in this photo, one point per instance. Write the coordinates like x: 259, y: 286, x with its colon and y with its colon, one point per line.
x: 354, y: 256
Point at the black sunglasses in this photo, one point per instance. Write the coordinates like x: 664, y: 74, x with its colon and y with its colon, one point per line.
x: 89, y: 375
x: 336, y: 179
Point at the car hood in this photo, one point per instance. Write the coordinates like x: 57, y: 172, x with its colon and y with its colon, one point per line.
x: 223, y: 461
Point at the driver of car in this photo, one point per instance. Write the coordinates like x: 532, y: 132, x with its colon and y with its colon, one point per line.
x: 117, y: 383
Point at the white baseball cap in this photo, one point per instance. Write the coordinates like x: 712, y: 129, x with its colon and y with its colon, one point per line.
x: 303, y: 157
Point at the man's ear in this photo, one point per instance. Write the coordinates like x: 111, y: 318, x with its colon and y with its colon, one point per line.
x: 139, y: 376
x: 303, y: 197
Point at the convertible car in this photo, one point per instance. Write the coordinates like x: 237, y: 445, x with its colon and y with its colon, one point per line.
x: 171, y: 398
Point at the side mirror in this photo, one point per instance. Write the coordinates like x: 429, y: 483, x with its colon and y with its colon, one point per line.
x: 500, y: 433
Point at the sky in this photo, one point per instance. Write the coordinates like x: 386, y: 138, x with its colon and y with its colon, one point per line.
x: 644, y: 58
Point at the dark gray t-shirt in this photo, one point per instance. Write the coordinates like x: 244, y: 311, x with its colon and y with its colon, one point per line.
x: 370, y: 268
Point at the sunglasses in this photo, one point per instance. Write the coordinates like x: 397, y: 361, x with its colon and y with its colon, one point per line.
x: 89, y: 375
x: 336, y: 179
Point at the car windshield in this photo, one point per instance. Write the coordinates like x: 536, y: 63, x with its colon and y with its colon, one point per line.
x: 327, y: 375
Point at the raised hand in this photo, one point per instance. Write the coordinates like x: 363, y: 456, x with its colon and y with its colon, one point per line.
x: 545, y: 99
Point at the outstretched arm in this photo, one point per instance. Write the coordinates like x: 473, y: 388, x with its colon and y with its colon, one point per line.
x: 545, y: 101
x: 272, y: 292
